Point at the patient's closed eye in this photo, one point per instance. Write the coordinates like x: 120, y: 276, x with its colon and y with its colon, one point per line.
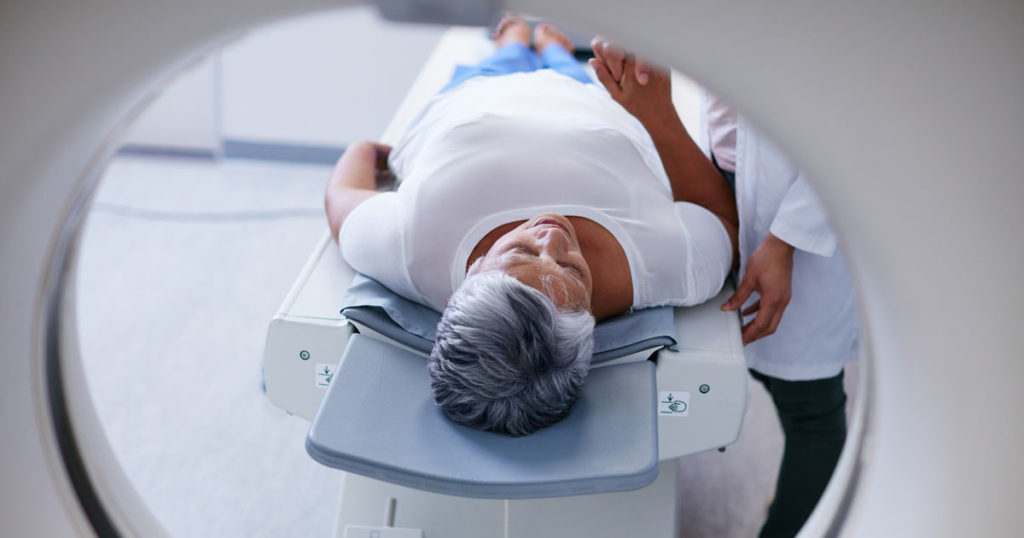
x: 524, y: 249
x: 573, y: 268
x: 531, y: 252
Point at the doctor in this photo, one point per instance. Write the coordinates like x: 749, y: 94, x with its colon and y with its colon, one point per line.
x: 795, y: 284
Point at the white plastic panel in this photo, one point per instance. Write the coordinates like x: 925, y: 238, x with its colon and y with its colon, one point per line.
x: 648, y: 512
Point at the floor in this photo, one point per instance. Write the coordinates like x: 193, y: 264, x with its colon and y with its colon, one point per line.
x: 183, y: 263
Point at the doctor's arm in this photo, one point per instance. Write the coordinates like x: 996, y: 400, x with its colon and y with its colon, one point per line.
x: 692, y: 176
x: 353, y: 181
x: 799, y: 224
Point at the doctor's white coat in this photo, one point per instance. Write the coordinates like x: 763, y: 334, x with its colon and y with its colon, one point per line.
x: 818, y: 332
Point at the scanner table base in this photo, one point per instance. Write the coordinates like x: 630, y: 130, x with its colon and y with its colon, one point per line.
x: 647, y: 512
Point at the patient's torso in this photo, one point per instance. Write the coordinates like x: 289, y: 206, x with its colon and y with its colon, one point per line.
x: 500, y: 149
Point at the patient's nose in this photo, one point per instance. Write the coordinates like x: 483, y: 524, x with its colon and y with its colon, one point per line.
x: 554, y: 240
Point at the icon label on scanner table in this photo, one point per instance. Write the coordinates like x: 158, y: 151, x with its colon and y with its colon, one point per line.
x: 672, y: 403
x: 324, y: 375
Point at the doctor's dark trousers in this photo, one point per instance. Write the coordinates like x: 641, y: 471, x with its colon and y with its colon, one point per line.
x: 813, y: 417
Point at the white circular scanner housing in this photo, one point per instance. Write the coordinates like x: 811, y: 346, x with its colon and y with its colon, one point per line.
x: 907, y: 115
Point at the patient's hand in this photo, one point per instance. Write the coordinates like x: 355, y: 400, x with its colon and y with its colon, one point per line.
x: 770, y: 273
x: 614, y: 57
x: 385, y: 178
x: 356, y: 177
x: 380, y: 155
x: 643, y: 90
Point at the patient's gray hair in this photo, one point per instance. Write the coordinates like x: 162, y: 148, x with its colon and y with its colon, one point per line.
x: 506, y: 359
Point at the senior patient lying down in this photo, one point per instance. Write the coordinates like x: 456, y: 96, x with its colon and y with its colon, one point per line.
x: 530, y: 203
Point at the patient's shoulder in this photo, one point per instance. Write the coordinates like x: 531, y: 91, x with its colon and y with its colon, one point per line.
x: 371, y: 238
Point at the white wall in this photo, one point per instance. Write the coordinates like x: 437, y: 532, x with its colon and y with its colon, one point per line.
x: 184, y: 116
x: 323, y: 80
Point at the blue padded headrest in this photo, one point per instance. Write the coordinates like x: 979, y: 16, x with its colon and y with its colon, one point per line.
x: 379, y: 419
x: 372, y: 304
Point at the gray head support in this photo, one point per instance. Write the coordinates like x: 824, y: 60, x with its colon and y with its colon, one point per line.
x: 506, y: 359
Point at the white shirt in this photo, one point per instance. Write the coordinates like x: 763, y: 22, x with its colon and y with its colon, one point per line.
x: 819, y: 329
x: 495, y: 150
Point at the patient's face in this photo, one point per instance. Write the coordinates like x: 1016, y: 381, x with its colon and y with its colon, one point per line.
x: 544, y: 249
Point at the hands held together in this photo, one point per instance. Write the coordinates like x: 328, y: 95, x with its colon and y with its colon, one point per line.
x: 642, y: 89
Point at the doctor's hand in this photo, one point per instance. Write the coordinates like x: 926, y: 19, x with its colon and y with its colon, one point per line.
x: 770, y: 273
x: 649, y: 102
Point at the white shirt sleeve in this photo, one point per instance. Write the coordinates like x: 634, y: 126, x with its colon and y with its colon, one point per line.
x: 801, y: 221
x: 709, y: 251
x: 371, y: 242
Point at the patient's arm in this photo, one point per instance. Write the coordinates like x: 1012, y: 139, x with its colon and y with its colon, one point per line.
x: 353, y: 181
x: 692, y: 176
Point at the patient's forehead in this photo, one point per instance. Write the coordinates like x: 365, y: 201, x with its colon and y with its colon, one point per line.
x: 567, y: 293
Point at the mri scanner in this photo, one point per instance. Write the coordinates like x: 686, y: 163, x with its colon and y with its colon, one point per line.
x: 908, y: 114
